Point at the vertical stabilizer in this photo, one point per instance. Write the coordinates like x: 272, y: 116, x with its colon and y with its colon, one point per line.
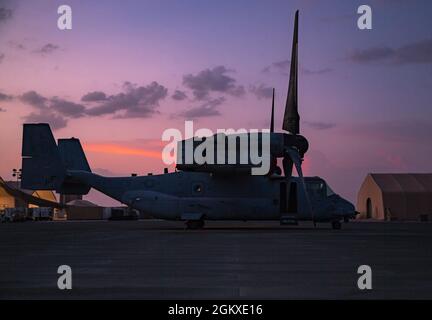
x: 41, y: 164
x: 72, y: 154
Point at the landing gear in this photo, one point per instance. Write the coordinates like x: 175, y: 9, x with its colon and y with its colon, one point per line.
x: 336, y: 225
x: 195, y: 224
x: 288, y: 220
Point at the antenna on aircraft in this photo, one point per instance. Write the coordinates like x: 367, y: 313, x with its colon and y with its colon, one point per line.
x: 272, y: 113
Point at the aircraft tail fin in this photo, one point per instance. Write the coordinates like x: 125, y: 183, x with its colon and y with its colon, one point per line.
x: 73, y: 158
x: 72, y: 154
x: 45, y: 165
x: 42, y: 168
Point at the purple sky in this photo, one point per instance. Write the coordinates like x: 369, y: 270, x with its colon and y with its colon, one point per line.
x: 130, y: 69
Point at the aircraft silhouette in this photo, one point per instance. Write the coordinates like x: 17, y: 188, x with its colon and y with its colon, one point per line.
x: 198, y: 192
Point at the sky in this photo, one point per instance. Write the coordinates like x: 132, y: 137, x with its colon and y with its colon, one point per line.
x: 128, y: 70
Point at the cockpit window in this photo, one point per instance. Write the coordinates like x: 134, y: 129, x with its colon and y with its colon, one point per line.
x: 330, y: 192
x: 316, y: 188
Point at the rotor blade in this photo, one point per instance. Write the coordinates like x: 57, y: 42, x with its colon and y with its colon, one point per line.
x: 291, y: 121
x: 295, y: 157
x: 272, y: 114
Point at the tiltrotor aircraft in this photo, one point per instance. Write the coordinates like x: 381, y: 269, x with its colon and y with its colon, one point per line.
x: 197, y: 192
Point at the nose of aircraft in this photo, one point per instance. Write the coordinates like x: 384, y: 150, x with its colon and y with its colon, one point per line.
x: 345, y: 208
x: 339, y: 207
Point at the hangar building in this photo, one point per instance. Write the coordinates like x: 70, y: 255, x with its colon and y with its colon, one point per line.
x: 396, y: 196
x: 12, y: 196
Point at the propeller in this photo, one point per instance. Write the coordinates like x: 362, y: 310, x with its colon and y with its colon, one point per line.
x: 294, y: 145
x: 291, y: 121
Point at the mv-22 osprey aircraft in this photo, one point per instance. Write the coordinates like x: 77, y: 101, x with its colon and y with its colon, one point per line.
x: 196, y: 192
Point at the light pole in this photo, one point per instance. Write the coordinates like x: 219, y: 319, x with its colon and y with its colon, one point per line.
x: 17, y: 174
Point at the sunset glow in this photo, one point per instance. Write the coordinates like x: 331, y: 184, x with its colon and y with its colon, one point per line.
x: 117, y: 86
x: 117, y: 149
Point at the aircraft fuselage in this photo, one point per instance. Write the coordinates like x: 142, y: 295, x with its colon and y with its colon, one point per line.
x: 199, y: 195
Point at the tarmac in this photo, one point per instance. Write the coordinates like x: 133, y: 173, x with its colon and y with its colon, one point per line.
x: 153, y: 259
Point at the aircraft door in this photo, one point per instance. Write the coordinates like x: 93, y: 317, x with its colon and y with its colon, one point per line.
x: 282, y: 197
x: 292, y: 198
x: 288, y: 202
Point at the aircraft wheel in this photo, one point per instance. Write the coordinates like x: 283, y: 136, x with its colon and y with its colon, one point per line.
x: 195, y: 224
x: 336, y: 225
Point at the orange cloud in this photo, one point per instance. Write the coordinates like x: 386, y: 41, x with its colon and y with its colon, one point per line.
x: 116, y: 149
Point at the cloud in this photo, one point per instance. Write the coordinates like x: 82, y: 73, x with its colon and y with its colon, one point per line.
x: 212, y: 80
x: 419, y: 52
x: 320, y: 125
x: 47, y: 49
x: 54, y: 104
x: 34, y: 99
x: 134, y: 102
x: 5, y: 14
x: 67, y: 108
x: 55, y: 121
x: 371, y: 54
x: 179, y: 95
x: 283, y: 68
x: 207, y: 109
x: 54, y: 111
x: 16, y: 45
x: 94, y: 96
x: 262, y: 91
x: 310, y: 72
x: 2, y: 56
x: 4, y: 97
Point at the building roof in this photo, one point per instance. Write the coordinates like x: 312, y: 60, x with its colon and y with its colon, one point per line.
x: 12, y: 189
x: 81, y: 203
x: 403, y: 182
x: 17, y: 185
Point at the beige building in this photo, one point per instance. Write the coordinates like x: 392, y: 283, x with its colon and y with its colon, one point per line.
x: 395, y: 196
x: 84, y: 210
